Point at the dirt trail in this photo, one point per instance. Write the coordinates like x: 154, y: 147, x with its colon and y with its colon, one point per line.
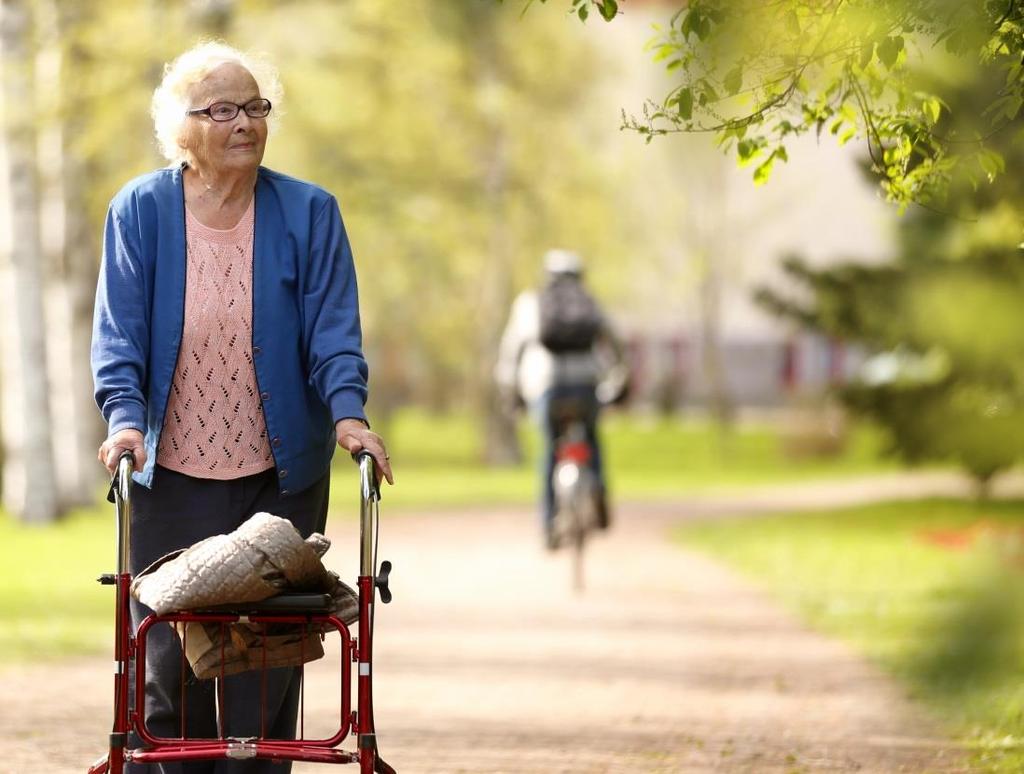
x: 487, y: 662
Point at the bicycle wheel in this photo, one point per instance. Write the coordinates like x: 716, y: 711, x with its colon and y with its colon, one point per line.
x: 584, y: 515
x: 577, y: 537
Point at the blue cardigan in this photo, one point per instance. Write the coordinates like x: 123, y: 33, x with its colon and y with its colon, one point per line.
x: 306, y: 338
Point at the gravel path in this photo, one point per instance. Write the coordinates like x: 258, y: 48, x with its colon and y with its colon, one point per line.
x: 488, y: 662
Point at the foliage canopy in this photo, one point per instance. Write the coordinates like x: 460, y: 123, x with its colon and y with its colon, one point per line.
x: 758, y: 74
x: 943, y: 318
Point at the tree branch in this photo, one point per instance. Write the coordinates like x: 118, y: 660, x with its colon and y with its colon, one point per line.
x: 1005, y: 16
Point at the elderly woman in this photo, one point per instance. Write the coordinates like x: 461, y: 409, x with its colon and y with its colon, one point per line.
x: 226, y: 352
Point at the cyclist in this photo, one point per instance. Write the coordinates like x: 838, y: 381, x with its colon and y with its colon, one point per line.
x: 559, y: 349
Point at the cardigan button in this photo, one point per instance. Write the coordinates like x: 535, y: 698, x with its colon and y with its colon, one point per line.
x: 256, y: 350
x: 285, y: 491
x: 283, y: 473
x: 275, y: 441
x: 265, y: 395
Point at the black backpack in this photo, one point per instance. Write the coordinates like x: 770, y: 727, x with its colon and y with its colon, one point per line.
x: 570, y: 319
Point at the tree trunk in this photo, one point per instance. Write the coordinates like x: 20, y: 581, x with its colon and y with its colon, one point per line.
x: 720, y: 401
x: 501, y: 442
x: 713, y: 249
x: 29, y: 487
x: 74, y: 264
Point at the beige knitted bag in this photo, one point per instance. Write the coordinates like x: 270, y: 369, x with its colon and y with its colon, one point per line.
x: 265, y: 556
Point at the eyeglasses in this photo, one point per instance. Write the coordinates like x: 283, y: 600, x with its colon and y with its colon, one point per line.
x: 226, y: 111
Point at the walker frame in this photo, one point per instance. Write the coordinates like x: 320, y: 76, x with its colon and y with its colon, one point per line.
x: 130, y: 648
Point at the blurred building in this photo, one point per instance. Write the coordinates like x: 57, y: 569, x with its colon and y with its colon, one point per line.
x: 668, y: 372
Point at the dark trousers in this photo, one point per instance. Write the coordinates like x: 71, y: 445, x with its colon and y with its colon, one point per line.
x: 178, y: 511
x: 552, y: 409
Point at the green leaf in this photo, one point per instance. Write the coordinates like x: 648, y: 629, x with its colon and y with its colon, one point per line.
x: 991, y: 162
x: 866, y: 54
x: 609, y: 8
x: 704, y: 28
x: 684, y: 103
x: 686, y: 26
x: 793, y: 23
x: 734, y: 80
x: 889, y: 50
x: 1002, y: 106
x: 1013, y: 106
x: 664, y: 51
x: 931, y: 108
x: 748, y: 151
x: 848, y: 135
x: 764, y: 170
x: 583, y: 12
x: 1013, y: 72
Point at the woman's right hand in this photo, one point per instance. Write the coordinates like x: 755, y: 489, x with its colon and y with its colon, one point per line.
x: 123, y: 440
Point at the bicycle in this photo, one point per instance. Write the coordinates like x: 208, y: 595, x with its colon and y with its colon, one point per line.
x: 577, y: 490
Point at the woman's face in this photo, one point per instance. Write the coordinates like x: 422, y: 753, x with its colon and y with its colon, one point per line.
x: 225, y: 146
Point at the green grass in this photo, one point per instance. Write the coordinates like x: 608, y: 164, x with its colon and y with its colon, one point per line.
x: 437, y: 460
x: 50, y: 604
x: 949, y: 623
x: 50, y: 607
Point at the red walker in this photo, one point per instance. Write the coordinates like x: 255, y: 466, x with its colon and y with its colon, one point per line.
x: 309, y: 610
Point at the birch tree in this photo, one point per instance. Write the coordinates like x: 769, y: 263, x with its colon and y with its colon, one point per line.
x: 500, y: 442
x: 68, y: 242
x: 29, y: 485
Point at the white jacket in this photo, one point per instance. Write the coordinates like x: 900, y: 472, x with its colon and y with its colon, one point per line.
x: 526, y: 365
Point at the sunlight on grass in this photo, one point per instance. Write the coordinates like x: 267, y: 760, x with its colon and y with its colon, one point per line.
x: 437, y: 460
x: 933, y: 591
x: 50, y: 605
x: 50, y: 602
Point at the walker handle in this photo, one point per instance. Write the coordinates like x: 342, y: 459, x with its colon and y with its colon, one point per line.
x: 121, y: 495
x: 123, y: 472
x: 369, y: 497
x: 369, y: 486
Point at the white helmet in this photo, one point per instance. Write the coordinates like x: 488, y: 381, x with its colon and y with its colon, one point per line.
x: 563, y: 262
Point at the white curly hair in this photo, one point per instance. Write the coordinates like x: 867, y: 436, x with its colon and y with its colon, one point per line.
x: 170, y: 99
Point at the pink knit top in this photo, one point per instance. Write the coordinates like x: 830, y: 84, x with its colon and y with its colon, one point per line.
x: 214, y: 425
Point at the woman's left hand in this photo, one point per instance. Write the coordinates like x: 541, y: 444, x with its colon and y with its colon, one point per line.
x: 354, y: 436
